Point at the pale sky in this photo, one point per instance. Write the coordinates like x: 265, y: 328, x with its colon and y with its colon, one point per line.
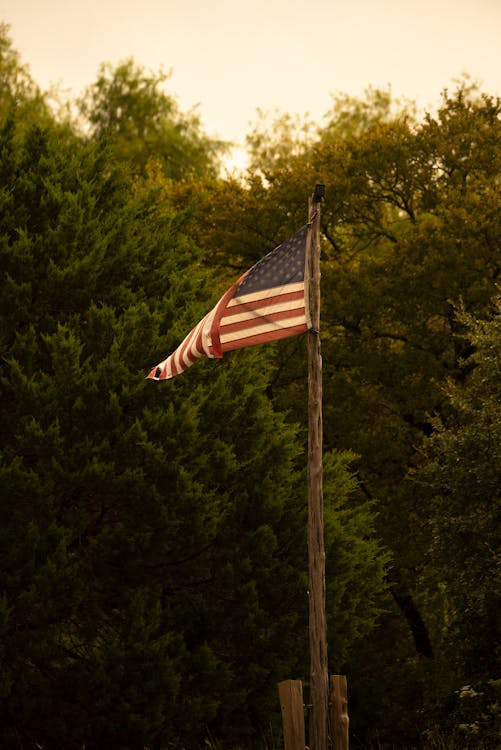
x: 230, y: 57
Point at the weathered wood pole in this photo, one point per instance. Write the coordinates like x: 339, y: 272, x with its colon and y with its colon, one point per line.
x: 291, y: 703
x: 319, y: 672
x: 340, y: 718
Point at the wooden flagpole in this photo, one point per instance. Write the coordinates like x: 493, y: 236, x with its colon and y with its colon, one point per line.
x: 319, y: 672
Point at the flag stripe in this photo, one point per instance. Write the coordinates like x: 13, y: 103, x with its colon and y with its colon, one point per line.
x: 259, y: 307
x: 275, y: 291
x: 266, y: 337
x: 194, y: 349
x: 271, y: 321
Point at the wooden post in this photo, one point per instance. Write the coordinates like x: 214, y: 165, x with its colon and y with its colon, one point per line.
x: 319, y: 673
x: 340, y: 719
x: 291, y: 703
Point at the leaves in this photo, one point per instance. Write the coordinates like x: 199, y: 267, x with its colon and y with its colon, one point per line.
x: 154, y: 537
x: 130, y: 108
x: 152, y: 544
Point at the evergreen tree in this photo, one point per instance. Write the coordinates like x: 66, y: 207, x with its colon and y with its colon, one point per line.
x: 152, y: 545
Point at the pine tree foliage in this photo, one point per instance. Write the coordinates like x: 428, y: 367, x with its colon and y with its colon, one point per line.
x: 153, y: 582
x: 152, y: 539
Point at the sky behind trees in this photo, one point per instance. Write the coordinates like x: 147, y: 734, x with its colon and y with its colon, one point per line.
x: 230, y: 57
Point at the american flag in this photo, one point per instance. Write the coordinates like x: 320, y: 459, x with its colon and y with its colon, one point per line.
x: 267, y: 303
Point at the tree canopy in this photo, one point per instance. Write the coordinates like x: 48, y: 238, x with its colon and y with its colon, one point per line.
x: 131, y: 109
x: 152, y: 542
x: 153, y: 582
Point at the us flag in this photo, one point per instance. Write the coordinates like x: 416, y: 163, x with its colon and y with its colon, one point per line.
x: 267, y: 303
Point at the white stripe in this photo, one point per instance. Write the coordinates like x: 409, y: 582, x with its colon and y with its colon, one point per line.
x: 192, y: 349
x: 260, y: 312
x: 206, y: 337
x: 271, y: 292
x: 176, y: 356
x: 263, y: 327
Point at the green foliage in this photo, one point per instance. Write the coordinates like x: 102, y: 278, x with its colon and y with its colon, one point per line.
x: 130, y: 108
x: 462, y: 471
x: 152, y: 539
x: 152, y: 544
x: 410, y: 231
x: 17, y: 89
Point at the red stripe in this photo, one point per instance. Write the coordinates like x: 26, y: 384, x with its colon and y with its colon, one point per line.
x: 197, y: 344
x: 238, y: 306
x: 187, y: 349
x: 220, y: 310
x: 173, y: 368
x: 264, y: 318
x: 262, y: 338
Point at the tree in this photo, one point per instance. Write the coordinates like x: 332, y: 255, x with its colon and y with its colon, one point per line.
x: 17, y: 88
x: 130, y: 108
x: 462, y: 471
x: 410, y: 228
x: 152, y: 541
